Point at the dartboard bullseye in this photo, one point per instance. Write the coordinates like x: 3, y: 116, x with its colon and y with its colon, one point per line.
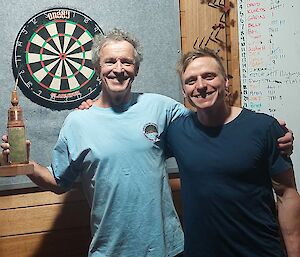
x: 52, y: 58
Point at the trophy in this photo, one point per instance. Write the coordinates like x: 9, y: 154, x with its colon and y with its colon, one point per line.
x: 17, y: 162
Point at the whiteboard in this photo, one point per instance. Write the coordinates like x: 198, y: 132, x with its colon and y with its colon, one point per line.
x: 269, y: 44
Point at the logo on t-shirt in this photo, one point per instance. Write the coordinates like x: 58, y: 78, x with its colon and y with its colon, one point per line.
x: 151, y: 132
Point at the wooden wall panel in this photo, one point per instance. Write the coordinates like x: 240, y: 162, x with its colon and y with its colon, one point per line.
x: 197, y: 21
x: 62, y: 243
x: 41, y: 224
x: 43, y: 218
x: 234, y: 62
x: 40, y: 198
x: 175, y: 186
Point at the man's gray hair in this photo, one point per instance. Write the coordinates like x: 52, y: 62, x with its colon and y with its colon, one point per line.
x: 115, y: 35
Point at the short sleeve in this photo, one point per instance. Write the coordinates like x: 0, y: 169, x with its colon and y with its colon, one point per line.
x: 277, y: 162
x: 65, y: 167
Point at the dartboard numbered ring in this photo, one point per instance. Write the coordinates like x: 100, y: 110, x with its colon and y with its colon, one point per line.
x: 52, y: 58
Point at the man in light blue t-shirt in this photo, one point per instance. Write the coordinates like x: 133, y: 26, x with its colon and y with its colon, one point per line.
x: 114, y: 148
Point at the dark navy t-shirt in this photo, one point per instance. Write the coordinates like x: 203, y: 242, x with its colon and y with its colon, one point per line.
x: 228, y: 202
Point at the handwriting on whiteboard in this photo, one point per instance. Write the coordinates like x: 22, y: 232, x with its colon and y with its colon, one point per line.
x: 265, y: 77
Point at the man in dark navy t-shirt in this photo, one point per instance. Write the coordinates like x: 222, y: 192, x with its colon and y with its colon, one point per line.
x: 229, y: 165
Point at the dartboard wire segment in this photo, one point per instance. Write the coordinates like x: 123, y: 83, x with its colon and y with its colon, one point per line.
x: 53, y: 50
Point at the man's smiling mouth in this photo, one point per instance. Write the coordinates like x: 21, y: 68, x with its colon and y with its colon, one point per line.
x: 204, y: 94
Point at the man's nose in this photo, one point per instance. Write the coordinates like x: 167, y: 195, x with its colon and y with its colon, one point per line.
x: 118, y: 66
x: 200, y: 83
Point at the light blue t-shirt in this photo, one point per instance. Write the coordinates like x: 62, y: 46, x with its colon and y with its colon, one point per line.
x: 120, y: 159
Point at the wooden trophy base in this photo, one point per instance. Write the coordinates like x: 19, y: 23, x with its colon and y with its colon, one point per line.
x: 16, y: 169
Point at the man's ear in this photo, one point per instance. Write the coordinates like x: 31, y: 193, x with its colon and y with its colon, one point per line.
x: 226, y: 83
x: 136, y: 71
x: 98, y: 71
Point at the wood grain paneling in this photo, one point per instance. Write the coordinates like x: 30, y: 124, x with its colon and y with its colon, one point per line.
x: 40, y: 198
x: 42, y: 224
x: 43, y: 218
x: 234, y: 62
x: 197, y: 21
x: 62, y: 243
x: 175, y: 186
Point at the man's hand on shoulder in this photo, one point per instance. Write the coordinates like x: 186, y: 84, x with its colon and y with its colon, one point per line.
x: 86, y: 104
x: 285, y: 143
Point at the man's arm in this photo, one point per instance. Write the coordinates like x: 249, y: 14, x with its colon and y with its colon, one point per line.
x: 285, y: 143
x: 44, y: 179
x: 288, y: 202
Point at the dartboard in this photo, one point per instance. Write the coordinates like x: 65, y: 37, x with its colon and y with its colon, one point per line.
x: 52, y: 58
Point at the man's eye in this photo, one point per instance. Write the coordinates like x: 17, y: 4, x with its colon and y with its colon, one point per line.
x: 127, y: 63
x: 209, y: 76
x: 190, y: 82
x: 109, y: 63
